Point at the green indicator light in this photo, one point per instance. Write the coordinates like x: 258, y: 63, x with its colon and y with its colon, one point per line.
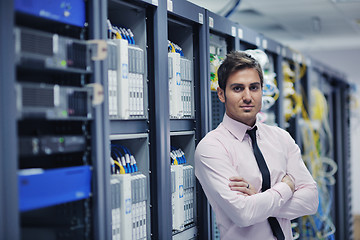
x: 64, y: 113
x: 61, y: 140
x: 63, y: 63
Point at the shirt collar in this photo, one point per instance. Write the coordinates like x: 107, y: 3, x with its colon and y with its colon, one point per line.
x: 238, y: 129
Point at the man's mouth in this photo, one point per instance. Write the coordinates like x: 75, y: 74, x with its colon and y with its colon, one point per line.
x: 247, y: 107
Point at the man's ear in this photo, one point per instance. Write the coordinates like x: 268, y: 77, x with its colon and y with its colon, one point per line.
x: 221, y: 94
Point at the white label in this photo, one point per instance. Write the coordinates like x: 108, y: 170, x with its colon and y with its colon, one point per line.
x: 56, y: 95
x: 257, y: 41
x: 169, y: 5
x: 284, y: 52
x: 55, y: 43
x: 240, y: 33
x: 278, y: 49
x: 264, y: 43
x: 201, y: 18
x: 211, y: 22
x: 212, y: 49
x: 233, y: 31
x: 155, y: 2
x: 300, y: 58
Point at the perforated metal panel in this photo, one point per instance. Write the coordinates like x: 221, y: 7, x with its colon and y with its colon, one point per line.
x: 218, y: 110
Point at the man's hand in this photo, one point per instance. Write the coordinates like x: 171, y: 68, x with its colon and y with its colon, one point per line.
x: 240, y: 185
x: 286, y: 179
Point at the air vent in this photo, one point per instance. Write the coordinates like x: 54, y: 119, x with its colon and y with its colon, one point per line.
x: 77, y: 104
x: 37, y: 97
x: 35, y: 43
x: 76, y: 53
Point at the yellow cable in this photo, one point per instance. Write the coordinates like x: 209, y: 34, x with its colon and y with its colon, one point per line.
x: 122, y: 170
x: 118, y: 36
x: 172, y: 47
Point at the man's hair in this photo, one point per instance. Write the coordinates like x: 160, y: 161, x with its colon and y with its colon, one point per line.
x: 234, y: 62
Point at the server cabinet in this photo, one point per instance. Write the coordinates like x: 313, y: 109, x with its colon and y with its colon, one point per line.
x: 130, y: 75
x: 344, y: 219
x: 186, y: 46
x: 58, y: 139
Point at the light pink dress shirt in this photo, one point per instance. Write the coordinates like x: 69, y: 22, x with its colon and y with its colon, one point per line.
x: 226, y: 152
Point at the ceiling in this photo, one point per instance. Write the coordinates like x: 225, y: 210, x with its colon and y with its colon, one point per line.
x: 327, y: 30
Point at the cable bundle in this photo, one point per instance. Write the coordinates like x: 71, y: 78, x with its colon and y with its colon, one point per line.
x: 115, y: 32
x: 122, y: 161
x: 292, y: 100
x: 215, y: 62
x: 173, y: 47
x: 317, y: 146
x: 177, y: 156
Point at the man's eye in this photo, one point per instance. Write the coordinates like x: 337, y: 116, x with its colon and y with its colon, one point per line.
x: 254, y: 88
x: 237, y: 89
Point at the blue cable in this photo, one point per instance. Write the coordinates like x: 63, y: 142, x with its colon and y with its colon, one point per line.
x: 114, y: 151
x: 126, y: 166
x: 131, y: 167
x: 231, y: 11
x: 134, y: 166
x: 128, y: 153
x: 126, y: 35
x: 131, y: 36
x: 173, y: 149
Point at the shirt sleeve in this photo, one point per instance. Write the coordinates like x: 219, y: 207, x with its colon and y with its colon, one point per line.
x: 305, y: 199
x: 213, y: 168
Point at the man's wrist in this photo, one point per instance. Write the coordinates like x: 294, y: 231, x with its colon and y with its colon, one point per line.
x: 284, y: 190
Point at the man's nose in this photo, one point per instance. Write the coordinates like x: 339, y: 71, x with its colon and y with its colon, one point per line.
x: 247, y: 95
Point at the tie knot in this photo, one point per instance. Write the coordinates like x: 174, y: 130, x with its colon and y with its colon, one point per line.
x: 252, y: 133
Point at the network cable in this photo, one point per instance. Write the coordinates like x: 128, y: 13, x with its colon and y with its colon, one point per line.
x: 316, y: 155
x: 117, y: 157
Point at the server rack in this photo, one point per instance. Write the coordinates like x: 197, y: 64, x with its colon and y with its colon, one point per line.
x: 250, y: 39
x: 20, y: 76
x: 344, y: 220
x: 273, y: 50
x: 187, y: 29
x: 291, y: 58
x: 133, y: 131
x: 324, y: 81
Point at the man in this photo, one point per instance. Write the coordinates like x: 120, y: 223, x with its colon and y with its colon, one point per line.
x: 230, y: 174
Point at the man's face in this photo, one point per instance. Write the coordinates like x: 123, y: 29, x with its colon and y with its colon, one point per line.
x: 242, y: 96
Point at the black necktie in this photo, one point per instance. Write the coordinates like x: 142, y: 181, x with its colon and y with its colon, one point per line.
x: 274, y: 224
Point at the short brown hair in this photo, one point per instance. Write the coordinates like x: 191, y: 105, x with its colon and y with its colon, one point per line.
x: 234, y: 62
